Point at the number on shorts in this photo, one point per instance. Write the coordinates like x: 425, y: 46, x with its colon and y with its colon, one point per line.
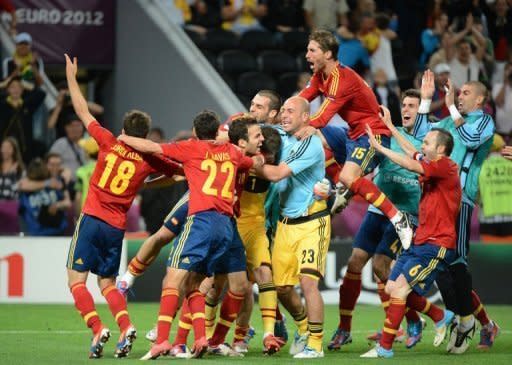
x: 125, y: 172
x: 308, y: 256
x: 226, y: 168
x: 414, y: 270
x: 359, y: 153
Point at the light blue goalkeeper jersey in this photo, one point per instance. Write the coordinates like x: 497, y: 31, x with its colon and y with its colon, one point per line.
x: 400, y: 185
x: 473, y: 140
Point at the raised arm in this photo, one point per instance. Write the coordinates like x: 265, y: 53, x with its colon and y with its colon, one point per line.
x: 78, y: 100
x: 401, y: 160
x: 421, y: 125
x: 141, y: 144
x: 404, y: 144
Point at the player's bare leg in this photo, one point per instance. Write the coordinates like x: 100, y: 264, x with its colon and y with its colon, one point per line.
x: 145, y: 256
x: 291, y: 300
x: 84, y: 303
x: 315, y: 313
x: 351, y: 177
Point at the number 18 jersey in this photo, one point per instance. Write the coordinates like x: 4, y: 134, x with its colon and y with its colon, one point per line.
x: 119, y: 173
x: 210, y: 169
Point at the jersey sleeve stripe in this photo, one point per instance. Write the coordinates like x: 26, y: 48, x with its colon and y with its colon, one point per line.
x: 321, y: 109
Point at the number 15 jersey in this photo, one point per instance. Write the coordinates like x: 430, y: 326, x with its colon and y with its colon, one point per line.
x: 119, y: 173
x: 210, y: 169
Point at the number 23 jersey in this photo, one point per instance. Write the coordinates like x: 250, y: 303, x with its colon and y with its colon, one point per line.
x: 119, y: 173
x: 210, y: 169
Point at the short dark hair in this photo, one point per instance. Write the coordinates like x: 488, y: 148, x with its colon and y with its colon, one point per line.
x: 37, y: 170
x: 206, y: 124
x: 272, y: 143
x: 382, y: 20
x: 274, y: 97
x: 52, y: 155
x: 136, y: 123
x: 158, y: 131
x: 480, y: 88
x: 326, y: 40
x: 14, y: 79
x: 239, y: 129
x: 411, y: 93
x: 444, y: 138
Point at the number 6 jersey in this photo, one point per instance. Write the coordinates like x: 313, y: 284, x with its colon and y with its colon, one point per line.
x: 119, y: 173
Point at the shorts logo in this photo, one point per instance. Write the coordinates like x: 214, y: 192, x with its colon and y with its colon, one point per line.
x: 174, y: 221
x: 79, y: 261
x: 185, y: 261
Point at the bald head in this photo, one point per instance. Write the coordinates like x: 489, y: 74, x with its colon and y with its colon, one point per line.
x: 300, y: 103
x: 294, y: 114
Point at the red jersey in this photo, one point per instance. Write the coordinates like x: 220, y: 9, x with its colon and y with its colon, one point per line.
x: 439, y: 204
x: 118, y: 175
x: 211, y: 169
x: 347, y: 94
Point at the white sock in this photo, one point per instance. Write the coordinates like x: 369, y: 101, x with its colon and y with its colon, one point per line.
x: 466, y: 324
x: 396, y: 218
x: 129, y: 278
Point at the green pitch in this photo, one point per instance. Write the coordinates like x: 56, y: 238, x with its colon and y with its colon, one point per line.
x: 55, y: 334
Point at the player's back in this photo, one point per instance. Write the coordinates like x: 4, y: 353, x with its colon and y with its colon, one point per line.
x: 210, y: 169
x: 119, y: 173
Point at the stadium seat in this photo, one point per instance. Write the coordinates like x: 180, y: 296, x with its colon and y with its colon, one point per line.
x: 287, y: 84
x: 302, y: 64
x: 195, y: 37
x: 246, y: 101
x: 218, y: 40
x: 210, y: 57
x: 249, y: 83
x: 228, y: 80
x: 234, y: 62
x: 255, y: 41
x: 295, y: 41
x: 276, y: 62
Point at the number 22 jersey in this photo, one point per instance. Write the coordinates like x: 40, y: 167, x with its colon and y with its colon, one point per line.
x: 119, y: 173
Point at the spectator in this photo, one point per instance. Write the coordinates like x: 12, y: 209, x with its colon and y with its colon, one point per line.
x: 325, y: 14
x: 351, y: 52
x: 157, y: 135
x: 502, y: 95
x: 444, y: 53
x: 368, y: 32
x: 205, y: 15
x: 500, y: 32
x: 12, y: 168
x: 64, y: 110
x: 284, y: 16
x: 438, y: 106
x: 73, y: 155
x: 84, y: 173
x: 495, y: 183
x: 16, y: 114
x: 382, y: 58
x: 43, y: 210
x: 387, y: 96
x: 478, y: 35
x: 7, y: 7
x: 24, y: 63
x: 465, y: 65
x: 242, y: 15
x: 431, y: 38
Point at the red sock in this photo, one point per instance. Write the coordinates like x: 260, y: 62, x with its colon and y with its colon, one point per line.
x: 117, y: 304
x: 137, y: 267
x: 349, y: 292
x: 371, y: 193
x: 412, y: 316
x: 168, y: 307
x: 184, y: 325
x: 421, y: 304
x: 384, y: 297
x: 394, y: 316
x: 479, y: 310
x: 85, y: 305
x: 279, y: 316
x: 196, y: 304
x: 240, y: 333
x: 228, y: 312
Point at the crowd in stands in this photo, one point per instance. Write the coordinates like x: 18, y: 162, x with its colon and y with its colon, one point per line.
x: 254, y: 45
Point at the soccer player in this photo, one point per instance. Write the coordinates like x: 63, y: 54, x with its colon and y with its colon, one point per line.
x: 472, y: 131
x: 376, y: 236
x: 348, y: 95
x: 210, y: 169
x: 434, y: 244
x: 97, y: 241
x: 303, y: 231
